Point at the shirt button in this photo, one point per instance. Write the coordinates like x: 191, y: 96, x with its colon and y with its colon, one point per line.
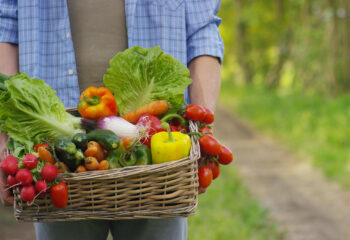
x: 70, y: 71
x: 68, y: 35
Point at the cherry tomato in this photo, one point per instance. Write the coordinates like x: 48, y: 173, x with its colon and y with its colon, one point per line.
x: 209, y: 145
x: 205, y: 176
x: 207, y: 130
x: 225, y: 155
x: 209, y: 117
x: 215, y: 168
x: 195, y: 112
x: 36, y: 146
x: 59, y: 195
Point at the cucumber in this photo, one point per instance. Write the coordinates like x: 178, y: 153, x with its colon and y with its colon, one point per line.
x: 65, y: 146
x: 80, y: 140
x: 105, y: 138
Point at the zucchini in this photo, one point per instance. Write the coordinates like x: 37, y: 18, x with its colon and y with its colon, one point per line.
x: 107, y: 139
x: 67, y: 152
x: 80, y: 140
x: 65, y: 146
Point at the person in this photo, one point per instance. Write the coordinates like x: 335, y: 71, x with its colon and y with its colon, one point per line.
x: 68, y: 44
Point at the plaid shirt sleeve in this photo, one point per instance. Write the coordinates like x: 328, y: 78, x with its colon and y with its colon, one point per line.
x: 203, y: 37
x: 8, y: 21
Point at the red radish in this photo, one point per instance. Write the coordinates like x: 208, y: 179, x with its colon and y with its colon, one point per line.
x: 24, y: 176
x: 11, y: 180
x: 30, y: 161
x: 49, y: 172
x: 28, y: 193
x: 9, y: 164
x: 41, y: 188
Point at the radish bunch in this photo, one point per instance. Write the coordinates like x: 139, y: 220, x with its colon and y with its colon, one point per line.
x: 31, y: 176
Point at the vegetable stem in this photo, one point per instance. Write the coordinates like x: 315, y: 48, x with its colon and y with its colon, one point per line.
x: 93, y: 101
x: 173, y: 115
x: 165, y: 126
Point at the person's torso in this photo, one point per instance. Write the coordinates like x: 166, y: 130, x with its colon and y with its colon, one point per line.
x: 98, y: 32
x: 46, y: 50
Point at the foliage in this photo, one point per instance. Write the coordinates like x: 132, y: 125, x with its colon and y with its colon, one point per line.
x: 298, y: 44
x: 227, y: 211
x: 314, y: 125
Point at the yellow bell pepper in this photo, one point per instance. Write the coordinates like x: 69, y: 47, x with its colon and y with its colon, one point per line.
x: 169, y: 146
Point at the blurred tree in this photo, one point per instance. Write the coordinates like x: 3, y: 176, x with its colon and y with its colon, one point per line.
x: 306, y: 42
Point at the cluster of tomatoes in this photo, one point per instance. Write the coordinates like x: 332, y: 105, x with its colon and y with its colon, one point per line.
x: 35, y: 179
x: 213, y: 153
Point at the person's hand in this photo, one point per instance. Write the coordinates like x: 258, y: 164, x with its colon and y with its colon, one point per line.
x: 5, y: 195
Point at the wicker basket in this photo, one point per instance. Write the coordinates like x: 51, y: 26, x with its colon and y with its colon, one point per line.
x: 152, y: 191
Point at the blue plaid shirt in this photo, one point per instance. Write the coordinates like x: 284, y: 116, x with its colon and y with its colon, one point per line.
x: 183, y: 28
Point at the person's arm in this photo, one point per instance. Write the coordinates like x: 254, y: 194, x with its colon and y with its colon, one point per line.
x: 204, y: 51
x: 8, y: 66
x: 8, y: 58
x: 206, y: 81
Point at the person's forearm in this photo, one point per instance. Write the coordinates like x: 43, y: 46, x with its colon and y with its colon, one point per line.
x: 206, y: 81
x: 8, y: 66
x: 8, y: 58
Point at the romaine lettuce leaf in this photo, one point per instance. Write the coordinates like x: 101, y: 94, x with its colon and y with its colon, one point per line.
x: 138, y: 76
x: 30, y: 112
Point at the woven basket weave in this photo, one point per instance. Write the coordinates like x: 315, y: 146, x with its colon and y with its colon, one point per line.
x: 152, y: 191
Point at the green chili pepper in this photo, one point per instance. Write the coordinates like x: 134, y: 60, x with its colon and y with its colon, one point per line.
x: 143, y: 155
x: 113, y: 159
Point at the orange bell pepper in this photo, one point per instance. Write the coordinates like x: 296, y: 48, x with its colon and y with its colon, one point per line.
x: 96, y: 103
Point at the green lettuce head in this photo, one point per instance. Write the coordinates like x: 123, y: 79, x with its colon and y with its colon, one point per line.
x: 138, y: 76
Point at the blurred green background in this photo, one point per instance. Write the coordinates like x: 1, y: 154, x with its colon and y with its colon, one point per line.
x: 286, y: 71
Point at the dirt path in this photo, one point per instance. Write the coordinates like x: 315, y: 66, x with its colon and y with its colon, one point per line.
x: 303, y: 203
x: 297, y: 196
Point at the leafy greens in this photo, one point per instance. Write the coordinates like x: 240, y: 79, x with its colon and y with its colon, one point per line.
x: 30, y: 112
x: 138, y: 76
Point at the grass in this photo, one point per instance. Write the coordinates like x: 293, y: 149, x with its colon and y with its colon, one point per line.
x: 227, y: 211
x: 316, y: 126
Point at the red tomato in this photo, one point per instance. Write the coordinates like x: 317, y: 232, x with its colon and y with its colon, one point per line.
x: 209, y: 117
x: 195, y: 112
x: 215, y: 168
x: 59, y: 195
x: 209, y: 145
x: 207, y: 130
x: 225, y: 155
x: 205, y: 176
x: 36, y: 146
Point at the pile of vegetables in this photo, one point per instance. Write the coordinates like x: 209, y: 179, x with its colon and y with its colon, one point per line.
x: 138, y: 118
x: 35, y: 178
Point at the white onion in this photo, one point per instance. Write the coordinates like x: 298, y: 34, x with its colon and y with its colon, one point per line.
x: 119, y: 126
